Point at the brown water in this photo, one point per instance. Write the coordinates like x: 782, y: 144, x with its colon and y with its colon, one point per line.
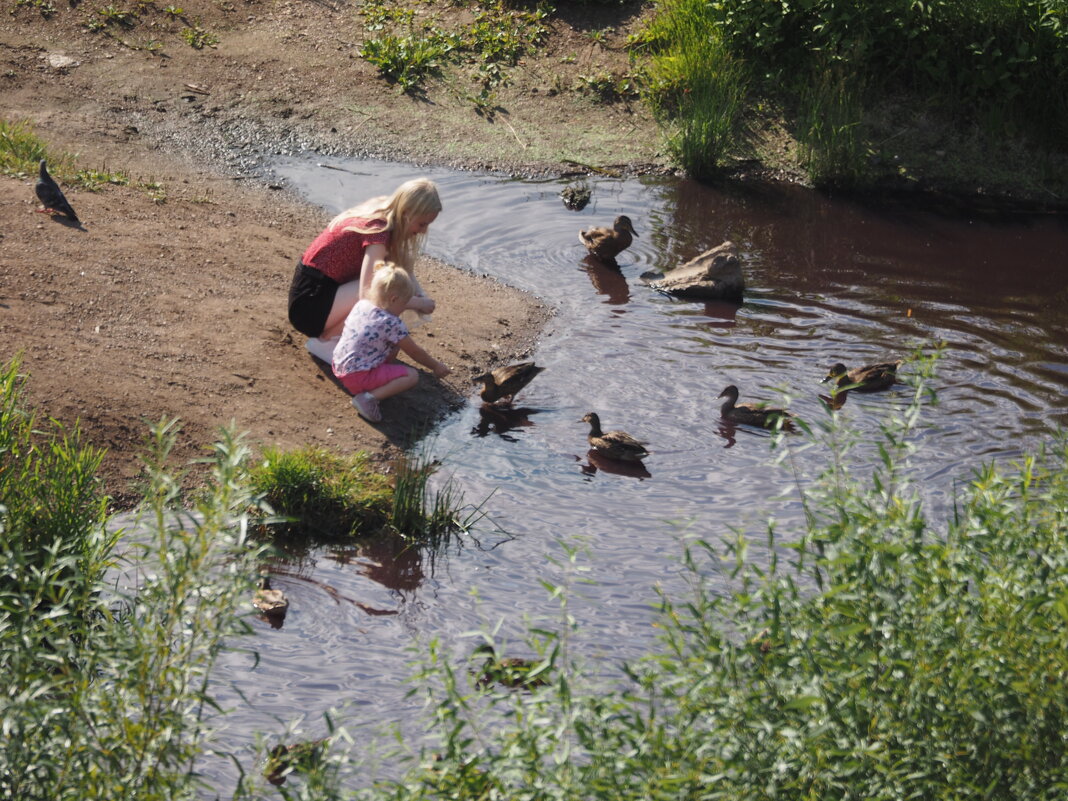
x: 827, y: 281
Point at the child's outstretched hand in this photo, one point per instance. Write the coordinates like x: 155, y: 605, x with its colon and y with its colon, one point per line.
x: 441, y: 370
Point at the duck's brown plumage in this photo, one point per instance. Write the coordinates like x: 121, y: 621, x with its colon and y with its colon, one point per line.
x: 504, y: 382
x: 614, y: 444
x: 607, y: 243
x: 763, y: 416
x: 869, y: 378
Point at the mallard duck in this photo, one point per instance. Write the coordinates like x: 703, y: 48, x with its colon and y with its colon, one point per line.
x: 504, y: 382
x: 511, y: 671
x: 296, y: 758
x: 869, y: 378
x: 747, y: 413
x: 607, y: 243
x: 576, y: 196
x: 614, y: 444
x: 272, y: 603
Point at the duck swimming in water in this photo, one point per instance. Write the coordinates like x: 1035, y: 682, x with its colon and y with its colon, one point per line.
x: 503, y: 383
x: 749, y: 414
x: 614, y: 444
x: 869, y: 378
x: 607, y: 243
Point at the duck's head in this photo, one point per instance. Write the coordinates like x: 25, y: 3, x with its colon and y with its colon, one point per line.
x: 836, y: 371
x: 591, y: 418
x: 730, y: 392
x: 623, y: 223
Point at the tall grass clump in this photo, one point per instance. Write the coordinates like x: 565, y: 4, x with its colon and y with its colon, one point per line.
x: 316, y: 494
x: 874, y: 653
x: 697, y: 88
x: 106, y: 655
x: 830, y: 129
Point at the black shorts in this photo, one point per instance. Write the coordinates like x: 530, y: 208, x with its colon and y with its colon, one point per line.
x: 311, y: 297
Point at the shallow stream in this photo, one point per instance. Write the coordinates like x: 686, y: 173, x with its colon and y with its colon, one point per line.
x: 827, y: 281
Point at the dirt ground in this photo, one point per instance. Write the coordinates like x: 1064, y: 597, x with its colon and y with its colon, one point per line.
x: 171, y: 303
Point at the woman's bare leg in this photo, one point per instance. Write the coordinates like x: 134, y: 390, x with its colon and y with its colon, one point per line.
x: 345, y: 298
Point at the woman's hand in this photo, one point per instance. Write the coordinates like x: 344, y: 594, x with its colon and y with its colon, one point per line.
x: 441, y: 370
x: 422, y: 304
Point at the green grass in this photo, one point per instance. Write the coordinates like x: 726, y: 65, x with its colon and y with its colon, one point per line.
x: 999, y: 65
x: 697, y: 89
x: 21, y: 151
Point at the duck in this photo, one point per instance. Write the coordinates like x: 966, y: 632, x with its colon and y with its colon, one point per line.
x: 747, y: 413
x: 869, y: 378
x: 614, y: 444
x: 511, y: 671
x: 295, y: 758
x: 607, y: 243
x: 576, y: 196
x: 270, y: 602
x: 503, y: 383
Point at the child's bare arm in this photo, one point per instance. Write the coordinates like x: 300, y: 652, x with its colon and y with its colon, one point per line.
x: 413, y: 350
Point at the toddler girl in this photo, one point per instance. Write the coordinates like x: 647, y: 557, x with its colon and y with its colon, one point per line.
x: 364, y: 359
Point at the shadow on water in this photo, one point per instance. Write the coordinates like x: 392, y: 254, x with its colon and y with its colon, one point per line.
x: 828, y: 280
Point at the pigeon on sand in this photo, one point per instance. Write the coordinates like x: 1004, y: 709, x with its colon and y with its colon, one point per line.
x: 51, y: 196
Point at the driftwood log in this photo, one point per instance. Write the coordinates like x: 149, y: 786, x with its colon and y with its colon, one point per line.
x: 714, y: 275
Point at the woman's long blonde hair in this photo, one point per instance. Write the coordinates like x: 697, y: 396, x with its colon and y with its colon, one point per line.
x: 415, y: 198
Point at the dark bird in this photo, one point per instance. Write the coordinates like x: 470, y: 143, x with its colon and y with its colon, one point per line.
x: 750, y: 414
x: 576, y: 196
x: 503, y: 383
x: 51, y: 196
x: 869, y: 378
x: 511, y: 671
x: 607, y: 243
x: 614, y: 444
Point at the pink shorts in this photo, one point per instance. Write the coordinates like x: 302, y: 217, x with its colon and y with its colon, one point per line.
x: 366, y: 380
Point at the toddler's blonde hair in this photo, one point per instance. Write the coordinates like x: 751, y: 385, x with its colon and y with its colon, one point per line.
x: 389, y: 282
x: 415, y: 198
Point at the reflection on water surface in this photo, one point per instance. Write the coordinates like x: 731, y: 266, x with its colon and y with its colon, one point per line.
x: 827, y: 281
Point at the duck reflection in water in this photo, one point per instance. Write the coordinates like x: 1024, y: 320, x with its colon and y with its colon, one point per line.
x: 598, y: 461
x: 502, y: 419
x: 607, y: 280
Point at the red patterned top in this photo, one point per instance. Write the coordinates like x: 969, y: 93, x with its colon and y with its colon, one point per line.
x: 338, y: 253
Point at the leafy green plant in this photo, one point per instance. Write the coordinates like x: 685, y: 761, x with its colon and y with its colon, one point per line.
x: 45, y: 7
x: 408, y: 60
x: 106, y: 657
x: 112, y: 15
x: 198, y: 38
